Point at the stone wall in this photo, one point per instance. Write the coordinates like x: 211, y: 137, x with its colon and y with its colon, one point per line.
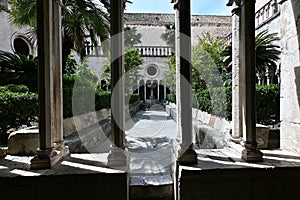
x: 290, y: 76
x: 9, y: 32
x: 151, y: 26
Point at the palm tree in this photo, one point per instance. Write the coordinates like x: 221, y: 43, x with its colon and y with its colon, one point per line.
x: 267, y: 53
x: 80, y: 19
x: 18, y: 69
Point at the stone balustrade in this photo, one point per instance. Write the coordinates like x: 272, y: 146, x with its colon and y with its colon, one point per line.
x: 154, y: 51
x: 267, y: 11
x: 145, y: 51
x: 91, y: 51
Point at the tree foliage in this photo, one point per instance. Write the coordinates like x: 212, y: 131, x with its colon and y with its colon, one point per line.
x: 207, y: 65
x: 131, y: 36
x: 267, y: 52
x: 133, y: 62
x: 18, y: 69
x: 79, y: 20
x: 169, y: 35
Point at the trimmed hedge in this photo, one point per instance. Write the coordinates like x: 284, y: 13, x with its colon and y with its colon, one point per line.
x: 218, y: 101
x: 14, y: 88
x: 268, y: 104
x: 171, y: 98
x: 17, y: 109
x: 134, y: 98
x: 87, y: 97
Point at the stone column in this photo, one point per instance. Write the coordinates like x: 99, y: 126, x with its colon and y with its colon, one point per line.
x: 237, y: 76
x: 158, y: 83
x: 145, y: 91
x: 118, y: 155
x: 58, y: 98
x: 138, y: 87
x: 250, y: 153
x: 165, y: 92
x: 188, y: 154
x: 50, y: 86
x: 177, y: 87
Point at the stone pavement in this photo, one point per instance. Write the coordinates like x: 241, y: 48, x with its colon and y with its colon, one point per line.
x: 151, y: 143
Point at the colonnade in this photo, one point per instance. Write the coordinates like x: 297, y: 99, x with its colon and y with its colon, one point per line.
x: 50, y: 88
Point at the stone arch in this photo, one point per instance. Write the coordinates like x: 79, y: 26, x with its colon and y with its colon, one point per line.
x: 20, y: 44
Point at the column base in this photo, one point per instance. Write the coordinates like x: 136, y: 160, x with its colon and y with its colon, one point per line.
x: 236, y: 139
x: 189, y: 157
x: 252, y: 155
x: 118, y: 158
x: 46, y: 159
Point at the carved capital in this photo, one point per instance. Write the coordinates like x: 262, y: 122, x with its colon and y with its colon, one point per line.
x: 231, y: 2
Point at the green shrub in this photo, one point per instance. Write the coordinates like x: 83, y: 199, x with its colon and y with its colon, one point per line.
x: 171, y: 98
x: 68, y: 84
x: 134, y: 98
x: 102, y: 99
x: 14, y: 88
x: 17, y: 109
x: 87, y: 97
x: 218, y: 101
x: 267, y: 104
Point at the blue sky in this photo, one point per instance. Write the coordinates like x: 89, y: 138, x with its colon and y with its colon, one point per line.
x: 202, y: 7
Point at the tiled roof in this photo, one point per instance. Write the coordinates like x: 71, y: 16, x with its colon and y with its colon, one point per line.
x: 161, y: 19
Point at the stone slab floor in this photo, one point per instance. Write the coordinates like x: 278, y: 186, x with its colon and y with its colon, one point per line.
x: 152, y: 145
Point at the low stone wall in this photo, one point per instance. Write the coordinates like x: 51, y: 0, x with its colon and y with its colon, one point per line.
x: 23, y: 142
x: 82, y: 133
x: 211, y: 131
x: 80, y: 122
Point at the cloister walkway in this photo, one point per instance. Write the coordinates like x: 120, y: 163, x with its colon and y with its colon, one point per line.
x: 152, y: 142
x: 152, y: 146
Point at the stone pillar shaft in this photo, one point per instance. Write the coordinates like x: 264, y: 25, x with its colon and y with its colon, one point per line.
x: 117, y: 156
x: 145, y: 91
x: 177, y: 60
x: 185, y: 99
x: 45, y: 39
x: 58, y: 100
x: 237, y: 76
x: 50, y: 85
x: 158, y: 89
x: 117, y: 71
x: 165, y: 92
x: 250, y: 153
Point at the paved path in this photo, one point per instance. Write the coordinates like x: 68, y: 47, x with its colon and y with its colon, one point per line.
x: 152, y: 147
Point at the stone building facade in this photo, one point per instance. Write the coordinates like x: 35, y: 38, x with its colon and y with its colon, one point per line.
x: 14, y: 39
x: 155, y: 51
x: 282, y: 17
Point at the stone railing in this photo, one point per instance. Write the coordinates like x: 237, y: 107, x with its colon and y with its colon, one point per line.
x: 97, y: 51
x: 145, y: 51
x: 269, y: 10
x: 154, y: 51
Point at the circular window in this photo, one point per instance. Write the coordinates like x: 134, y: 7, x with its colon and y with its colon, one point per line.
x: 151, y: 70
x: 21, y: 46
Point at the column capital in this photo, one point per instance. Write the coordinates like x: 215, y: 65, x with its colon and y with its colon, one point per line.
x: 231, y: 2
x: 236, y: 10
x: 59, y: 2
x: 175, y: 2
